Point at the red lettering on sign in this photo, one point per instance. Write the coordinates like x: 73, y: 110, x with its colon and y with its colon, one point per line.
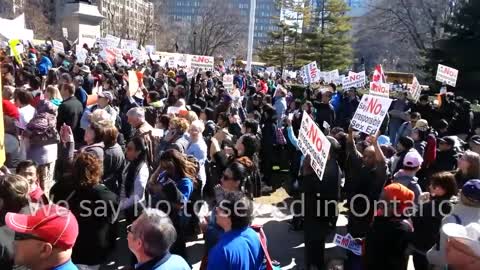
x: 314, y: 137
x: 345, y: 242
x: 373, y: 106
x: 354, y: 77
x: 202, y: 59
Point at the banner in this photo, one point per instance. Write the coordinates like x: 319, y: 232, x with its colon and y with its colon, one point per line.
x: 354, y: 80
x: 201, y: 62
x: 310, y: 73
x: 228, y: 82
x: 370, y: 114
x: 447, y: 75
x: 314, y: 143
x: 347, y: 242
x: 2, y: 130
x: 380, y: 89
x: 415, y: 90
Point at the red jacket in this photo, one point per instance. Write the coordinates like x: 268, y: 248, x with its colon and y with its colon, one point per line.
x: 9, y: 109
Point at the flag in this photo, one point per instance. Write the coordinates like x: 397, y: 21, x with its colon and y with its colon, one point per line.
x: 378, y: 75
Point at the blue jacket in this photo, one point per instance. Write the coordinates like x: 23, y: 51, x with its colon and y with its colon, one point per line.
x: 44, y: 66
x: 238, y: 249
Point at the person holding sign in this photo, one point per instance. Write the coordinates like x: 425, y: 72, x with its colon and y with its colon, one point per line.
x: 366, y: 175
x: 320, y: 213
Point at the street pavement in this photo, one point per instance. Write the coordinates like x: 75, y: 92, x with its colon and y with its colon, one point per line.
x: 285, y: 246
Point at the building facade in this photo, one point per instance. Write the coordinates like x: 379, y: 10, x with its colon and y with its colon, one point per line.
x: 128, y: 19
x: 267, y: 14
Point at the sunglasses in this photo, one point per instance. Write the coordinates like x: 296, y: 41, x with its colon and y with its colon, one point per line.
x: 24, y: 236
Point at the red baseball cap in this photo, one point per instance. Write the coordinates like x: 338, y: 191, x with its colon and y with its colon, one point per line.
x: 52, y: 223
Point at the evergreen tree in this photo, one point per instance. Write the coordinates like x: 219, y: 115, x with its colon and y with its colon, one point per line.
x: 279, y: 49
x: 330, y: 42
x: 460, y: 49
x: 283, y: 47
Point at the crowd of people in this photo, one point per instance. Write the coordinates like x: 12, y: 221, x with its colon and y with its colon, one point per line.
x: 86, y: 150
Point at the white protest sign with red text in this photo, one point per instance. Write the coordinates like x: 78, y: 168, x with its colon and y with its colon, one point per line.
x: 447, y: 75
x: 415, y: 89
x: 313, y: 142
x: 201, y: 62
x: 310, y: 73
x: 354, y: 80
x: 228, y: 82
x: 370, y: 114
x: 380, y: 89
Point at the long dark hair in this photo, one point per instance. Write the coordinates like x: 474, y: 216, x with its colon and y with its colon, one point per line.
x: 183, y: 166
x: 251, y: 145
x: 135, y: 165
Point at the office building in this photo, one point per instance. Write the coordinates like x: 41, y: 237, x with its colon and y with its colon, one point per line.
x: 126, y: 18
x: 267, y: 14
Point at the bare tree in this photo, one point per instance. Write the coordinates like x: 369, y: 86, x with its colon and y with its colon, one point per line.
x: 398, y: 33
x: 39, y: 17
x: 147, y: 29
x: 218, y: 26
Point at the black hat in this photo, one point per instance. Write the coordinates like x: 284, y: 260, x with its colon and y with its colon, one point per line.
x: 406, y: 142
x: 447, y: 140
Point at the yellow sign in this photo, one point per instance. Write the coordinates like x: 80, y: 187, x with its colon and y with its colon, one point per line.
x: 2, y: 130
x: 13, y: 47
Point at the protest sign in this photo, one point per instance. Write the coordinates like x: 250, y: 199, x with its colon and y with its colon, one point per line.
x: 65, y: 32
x: 370, y: 114
x: 354, y: 80
x: 270, y: 69
x: 102, y: 43
x: 2, y: 131
x: 201, y: 62
x: 447, y: 75
x: 228, y: 82
x: 415, y: 89
x: 81, y: 54
x: 129, y: 45
x: 132, y: 82
x: 311, y: 73
x: 112, y: 41
x: 331, y: 76
x: 347, y: 242
x: 314, y: 143
x: 380, y: 89
x: 150, y: 49
x: 58, y: 47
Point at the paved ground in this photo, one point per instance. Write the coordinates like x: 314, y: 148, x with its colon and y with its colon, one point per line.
x: 285, y: 246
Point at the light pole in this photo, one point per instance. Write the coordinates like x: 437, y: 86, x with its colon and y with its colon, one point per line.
x: 194, y: 42
x: 251, y: 29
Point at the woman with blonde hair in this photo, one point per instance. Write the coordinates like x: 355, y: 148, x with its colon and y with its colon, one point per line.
x: 468, y: 168
x: 53, y: 95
